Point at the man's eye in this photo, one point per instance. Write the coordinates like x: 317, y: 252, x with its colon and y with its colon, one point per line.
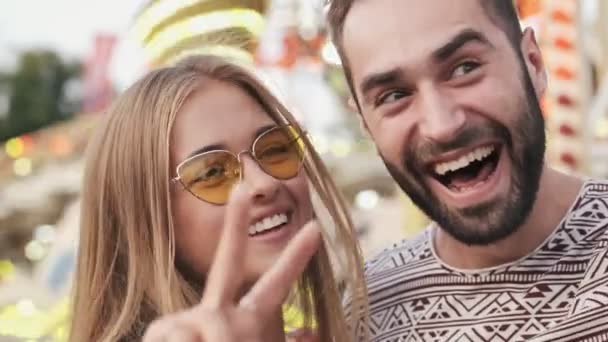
x: 465, y: 68
x: 390, y: 96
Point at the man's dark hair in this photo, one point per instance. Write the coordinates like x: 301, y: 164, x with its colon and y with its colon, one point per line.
x: 502, y: 13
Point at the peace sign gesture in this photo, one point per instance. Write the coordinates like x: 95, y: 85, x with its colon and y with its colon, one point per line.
x: 221, y: 315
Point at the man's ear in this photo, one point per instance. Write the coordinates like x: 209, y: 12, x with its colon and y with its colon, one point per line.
x: 363, y: 127
x: 533, y: 59
x: 352, y: 105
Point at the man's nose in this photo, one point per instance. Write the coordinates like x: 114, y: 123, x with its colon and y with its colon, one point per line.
x: 441, y: 117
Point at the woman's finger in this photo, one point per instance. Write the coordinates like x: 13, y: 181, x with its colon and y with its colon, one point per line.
x: 225, y: 275
x: 155, y: 331
x: 172, y: 328
x: 269, y: 293
x: 181, y: 335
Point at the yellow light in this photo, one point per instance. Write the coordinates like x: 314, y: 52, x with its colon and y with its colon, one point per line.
x: 602, y: 128
x: 340, y: 148
x: 22, y: 166
x: 294, y: 318
x: 14, y: 148
x: 26, y: 307
x: 157, y: 13
x: 7, y: 270
x: 25, y: 321
x: 243, y: 18
x: 233, y: 53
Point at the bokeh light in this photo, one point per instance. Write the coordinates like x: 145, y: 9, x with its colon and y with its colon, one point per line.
x: 35, y: 250
x: 14, y: 148
x: 22, y: 166
x: 26, y: 307
x: 340, y: 148
x: 7, y: 270
x: 367, y: 199
x: 330, y: 54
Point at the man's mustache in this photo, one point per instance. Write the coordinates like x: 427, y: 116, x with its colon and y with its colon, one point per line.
x: 422, y: 154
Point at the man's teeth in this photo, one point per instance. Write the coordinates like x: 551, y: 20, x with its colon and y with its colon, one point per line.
x: 267, y: 223
x: 464, y: 161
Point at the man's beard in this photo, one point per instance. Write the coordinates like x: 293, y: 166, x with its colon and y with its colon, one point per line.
x: 493, y: 220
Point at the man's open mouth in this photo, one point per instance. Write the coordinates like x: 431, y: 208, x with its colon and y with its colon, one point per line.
x: 469, y: 170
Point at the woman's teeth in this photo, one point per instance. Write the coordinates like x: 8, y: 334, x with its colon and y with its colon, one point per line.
x: 267, y: 223
x: 478, y: 154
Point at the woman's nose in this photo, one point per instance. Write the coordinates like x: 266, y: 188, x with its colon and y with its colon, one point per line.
x: 261, y: 185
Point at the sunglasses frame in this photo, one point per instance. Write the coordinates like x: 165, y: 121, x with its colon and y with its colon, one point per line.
x: 300, y: 134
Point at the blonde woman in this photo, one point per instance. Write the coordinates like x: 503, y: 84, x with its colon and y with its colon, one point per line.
x: 160, y: 242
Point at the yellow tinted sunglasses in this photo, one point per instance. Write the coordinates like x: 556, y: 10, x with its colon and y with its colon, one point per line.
x: 211, y: 175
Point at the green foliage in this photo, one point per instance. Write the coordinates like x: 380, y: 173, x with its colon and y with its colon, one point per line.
x: 36, y: 92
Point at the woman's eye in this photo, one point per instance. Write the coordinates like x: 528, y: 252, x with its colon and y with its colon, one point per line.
x: 390, y: 96
x: 274, y: 150
x: 209, y: 173
x: 213, y: 172
x: 208, y: 176
x: 465, y: 68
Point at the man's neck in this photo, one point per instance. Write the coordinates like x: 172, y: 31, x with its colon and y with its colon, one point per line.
x: 556, y: 193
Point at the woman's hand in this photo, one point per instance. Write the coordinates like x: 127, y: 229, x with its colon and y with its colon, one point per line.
x: 302, y: 335
x: 221, y: 315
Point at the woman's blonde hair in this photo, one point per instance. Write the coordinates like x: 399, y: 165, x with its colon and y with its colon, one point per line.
x: 126, y: 274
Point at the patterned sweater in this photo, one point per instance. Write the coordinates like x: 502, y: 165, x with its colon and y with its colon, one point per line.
x: 559, y: 292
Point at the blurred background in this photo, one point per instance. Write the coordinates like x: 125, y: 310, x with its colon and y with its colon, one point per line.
x: 63, y: 61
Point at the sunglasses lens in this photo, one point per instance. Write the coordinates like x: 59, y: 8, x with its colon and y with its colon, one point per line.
x: 210, y: 176
x: 280, y: 152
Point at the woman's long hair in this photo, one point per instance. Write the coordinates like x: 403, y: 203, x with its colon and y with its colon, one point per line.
x: 126, y: 270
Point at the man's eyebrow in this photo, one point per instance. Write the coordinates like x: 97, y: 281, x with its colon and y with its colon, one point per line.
x: 458, y: 41
x: 379, y: 79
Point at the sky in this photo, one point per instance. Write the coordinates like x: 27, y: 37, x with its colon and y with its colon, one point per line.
x: 69, y: 27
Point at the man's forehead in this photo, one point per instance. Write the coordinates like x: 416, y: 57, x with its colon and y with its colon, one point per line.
x: 412, y: 14
x: 382, y: 34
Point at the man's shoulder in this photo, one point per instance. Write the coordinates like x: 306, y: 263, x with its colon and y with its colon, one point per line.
x: 404, y: 254
x: 595, y: 187
x: 591, y: 204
